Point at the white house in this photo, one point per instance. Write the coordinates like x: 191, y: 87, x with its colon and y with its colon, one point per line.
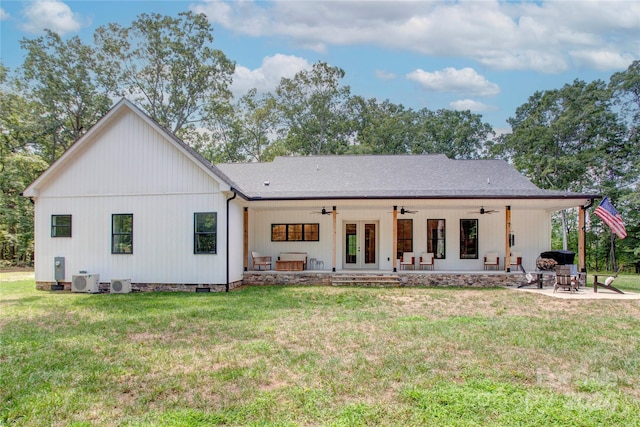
x: 129, y: 200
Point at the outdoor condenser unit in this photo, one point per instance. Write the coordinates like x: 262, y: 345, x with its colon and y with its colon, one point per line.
x: 120, y: 286
x: 87, y: 283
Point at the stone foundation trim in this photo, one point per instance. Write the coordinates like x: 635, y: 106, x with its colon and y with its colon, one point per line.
x: 105, y: 287
x: 270, y: 277
x: 471, y: 279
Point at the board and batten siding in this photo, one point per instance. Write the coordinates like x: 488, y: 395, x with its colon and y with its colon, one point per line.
x: 129, y: 157
x: 131, y: 168
x: 260, y: 222
x: 532, y: 231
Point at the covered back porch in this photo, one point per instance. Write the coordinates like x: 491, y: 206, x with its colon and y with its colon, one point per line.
x: 367, y: 237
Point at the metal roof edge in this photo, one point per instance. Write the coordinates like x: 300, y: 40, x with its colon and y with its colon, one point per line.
x: 400, y: 196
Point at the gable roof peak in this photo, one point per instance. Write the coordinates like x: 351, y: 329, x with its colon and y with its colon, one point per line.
x: 33, y: 190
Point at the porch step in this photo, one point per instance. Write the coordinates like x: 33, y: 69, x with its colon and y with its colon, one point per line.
x: 377, y: 280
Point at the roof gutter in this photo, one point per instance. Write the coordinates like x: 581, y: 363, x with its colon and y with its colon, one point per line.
x: 408, y: 197
x: 226, y: 289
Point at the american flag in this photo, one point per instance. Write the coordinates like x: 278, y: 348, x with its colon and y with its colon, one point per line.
x: 610, y: 216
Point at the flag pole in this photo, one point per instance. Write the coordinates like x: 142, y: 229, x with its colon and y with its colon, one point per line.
x: 614, y: 267
x: 610, y: 216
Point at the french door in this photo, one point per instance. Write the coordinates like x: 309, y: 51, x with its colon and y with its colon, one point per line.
x: 360, y: 244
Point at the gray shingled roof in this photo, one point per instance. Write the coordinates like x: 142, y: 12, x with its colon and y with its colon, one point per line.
x: 382, y: 176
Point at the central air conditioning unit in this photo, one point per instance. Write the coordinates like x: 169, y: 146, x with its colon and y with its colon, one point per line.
x: 87, y: 283
x: 120, y: 286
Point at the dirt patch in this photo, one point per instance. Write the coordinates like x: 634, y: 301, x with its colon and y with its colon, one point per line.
x: 16, y: 270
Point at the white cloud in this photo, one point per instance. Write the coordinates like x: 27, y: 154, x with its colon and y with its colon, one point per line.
x: 465, y: 80
x: 538, y: 36
x: 498, y: 132
x: 545, y: 62
x: 601, y: 60
x: 268, y: 76
x: 50, y: 14
x: 243, y: 16
x: 385, y: 75
x: 4, y: 15
x: 471, y: 105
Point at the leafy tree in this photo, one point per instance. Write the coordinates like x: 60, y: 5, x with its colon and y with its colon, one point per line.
x: 16, y: 212
x: 625, y: 86
x: 313, y: 110
x: 629, y: 248
x: 16, y: 125
x: 59, y: 76
x: 624, y: 175
x: 19, y: 164
x: 616, y: 168
x: 570, y: 139
x: 556, y: 134
x: 167, y: 66
x: 245, y: 131
x: 458, y: 134
x: 382, y: 127
x: 387, y: 128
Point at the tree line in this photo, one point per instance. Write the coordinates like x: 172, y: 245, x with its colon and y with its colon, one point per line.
x: 581, y: 137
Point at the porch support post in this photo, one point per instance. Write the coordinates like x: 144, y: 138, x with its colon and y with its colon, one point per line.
x: 226, y: 288
x: 582, y: 248
x: 395, y: 237
x: 507, y: 245
x: 335, y: 237
x: 245, y: 253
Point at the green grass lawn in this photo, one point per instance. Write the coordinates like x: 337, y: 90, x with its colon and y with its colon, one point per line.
x: 318, y: 356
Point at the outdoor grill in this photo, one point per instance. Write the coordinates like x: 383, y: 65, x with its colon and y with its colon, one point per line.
x: 548, y: 260
x: 560, y: 257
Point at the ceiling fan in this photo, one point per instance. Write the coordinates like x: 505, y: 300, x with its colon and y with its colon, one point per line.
x: 403, y: 211
x: 483, y: 211
x: 322, y: 212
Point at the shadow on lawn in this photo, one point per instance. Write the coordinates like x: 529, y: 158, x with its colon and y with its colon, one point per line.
x: 21, y: 301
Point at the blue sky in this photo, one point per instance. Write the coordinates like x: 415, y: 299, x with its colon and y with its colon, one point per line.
x: 486, y: 56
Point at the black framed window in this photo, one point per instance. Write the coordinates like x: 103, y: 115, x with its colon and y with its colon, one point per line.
x: 437, y: 238
x: 311, y: 232
x: 295, y: 232
x: 205, y: 232
x: 405, y: 236
x: 278, y: 232
x: 60, y: 225
x: 468, y: 239
x: 122, y: 233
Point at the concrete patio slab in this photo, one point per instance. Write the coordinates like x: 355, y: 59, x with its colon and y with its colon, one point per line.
x: 584, y: 293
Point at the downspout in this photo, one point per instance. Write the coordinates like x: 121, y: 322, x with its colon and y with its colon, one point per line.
x: 588, y: 205
x: 228, y: 202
